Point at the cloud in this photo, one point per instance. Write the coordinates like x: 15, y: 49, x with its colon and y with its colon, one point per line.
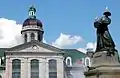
x: 44, y: 41
x: 9, y: 33
x: 89, y: 45
x: 10, y: 36
x: 66, y: 40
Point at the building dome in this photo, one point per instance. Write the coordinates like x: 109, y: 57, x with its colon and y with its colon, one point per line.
x: 32, y: 21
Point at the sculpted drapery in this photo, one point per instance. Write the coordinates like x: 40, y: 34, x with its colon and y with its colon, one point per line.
x: 104, y: 39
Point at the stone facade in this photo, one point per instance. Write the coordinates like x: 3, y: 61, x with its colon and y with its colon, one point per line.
x: 40, y: 55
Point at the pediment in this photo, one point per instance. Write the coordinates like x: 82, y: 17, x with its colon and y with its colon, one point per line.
x: 35, y: 46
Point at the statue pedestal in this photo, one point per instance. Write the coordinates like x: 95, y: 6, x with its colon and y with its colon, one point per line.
x: 104, y: 66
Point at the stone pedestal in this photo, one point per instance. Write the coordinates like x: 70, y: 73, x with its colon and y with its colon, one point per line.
x: 104, y: 66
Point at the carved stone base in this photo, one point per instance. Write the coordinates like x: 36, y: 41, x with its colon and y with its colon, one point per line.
x: 104, y: 66
x: 102, y: 58
x: 104, y: 72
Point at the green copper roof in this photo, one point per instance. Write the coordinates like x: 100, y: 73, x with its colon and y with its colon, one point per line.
x: 32, y: 8
x: 74, y: 54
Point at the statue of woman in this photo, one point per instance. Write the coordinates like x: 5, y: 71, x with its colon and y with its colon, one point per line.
x: 104, y: 39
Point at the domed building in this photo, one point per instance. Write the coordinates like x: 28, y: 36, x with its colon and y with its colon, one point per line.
x: 32, y: 27
x: 35, y: 59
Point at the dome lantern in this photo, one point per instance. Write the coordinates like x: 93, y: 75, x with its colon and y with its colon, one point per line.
x: 32, y: 20
x: 32, y: 12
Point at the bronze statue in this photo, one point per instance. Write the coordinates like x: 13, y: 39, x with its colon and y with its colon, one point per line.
x: 104, y: 39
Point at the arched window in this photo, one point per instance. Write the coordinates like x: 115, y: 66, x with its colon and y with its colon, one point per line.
x: 69, y: 61
x: 52, y: 69
x: 87, y: 61
x: 40, y: 36
x: 16, y: 68
x: 32, y: 36
x: 31, y: 13
x: 25, y: 37
x: 34, y: 68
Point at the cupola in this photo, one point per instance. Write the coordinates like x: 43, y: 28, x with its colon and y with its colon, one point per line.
x: 32, y: 27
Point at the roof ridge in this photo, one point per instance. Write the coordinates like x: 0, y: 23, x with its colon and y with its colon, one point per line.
x: 74, y: 50
x: 50, y: 47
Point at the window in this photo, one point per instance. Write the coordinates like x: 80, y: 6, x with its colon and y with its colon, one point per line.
x: 31, y: 13
x: 69, y: 61
x: 32, y: 36
x: 52, y: 69
x: 87, y: 61
x: 25, y: 37
x: 16, y: 68
x: 40, y: 36
x: 34, y: 68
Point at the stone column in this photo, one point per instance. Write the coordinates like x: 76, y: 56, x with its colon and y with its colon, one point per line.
x: 23, y: 37
x: 46, y: 69
x: 60, y: 68
x: 10, y: 68
x: 24, y: 68
x: 28, y: 37
x: 36, y: 36
x: 42, y: 66
x: 8, y: 71
x: 29, y: 69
